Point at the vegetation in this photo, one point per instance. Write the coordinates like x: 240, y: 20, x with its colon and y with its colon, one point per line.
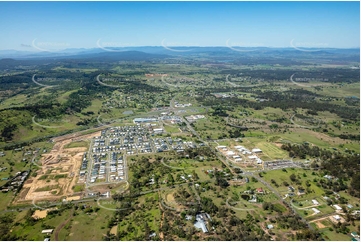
x: 248, y: 100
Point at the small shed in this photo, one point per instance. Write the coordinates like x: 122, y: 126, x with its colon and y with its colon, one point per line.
x: 47, y: 231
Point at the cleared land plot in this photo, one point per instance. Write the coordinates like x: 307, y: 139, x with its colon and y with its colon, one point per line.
x: 59, y: 171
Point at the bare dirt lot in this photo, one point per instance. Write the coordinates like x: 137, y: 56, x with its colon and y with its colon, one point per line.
x: 114, y: 230
x: 38, y: 214
x: 58, y: 174
x: 319, y: 223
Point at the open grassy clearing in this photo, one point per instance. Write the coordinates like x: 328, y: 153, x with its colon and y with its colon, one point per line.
x: 91, y: 226
x: 269, y: 150
x: 77, y: 144
x: 341, y: 91
x: 282, y: 178
x: 33, y: 232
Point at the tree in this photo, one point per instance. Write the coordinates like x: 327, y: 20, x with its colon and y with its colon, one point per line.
x: 170, y: 179
x: 266, y: 205
x: 293, y: 177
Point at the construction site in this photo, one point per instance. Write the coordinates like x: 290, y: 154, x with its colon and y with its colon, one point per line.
x: 58, y: 172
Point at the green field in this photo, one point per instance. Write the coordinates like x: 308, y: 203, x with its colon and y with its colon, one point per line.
x: 77, y: 144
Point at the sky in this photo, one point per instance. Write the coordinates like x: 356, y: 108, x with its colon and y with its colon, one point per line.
x: 40, y: 26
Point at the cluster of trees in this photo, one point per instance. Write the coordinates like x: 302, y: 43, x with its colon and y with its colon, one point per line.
x: 6, y: 221
x: 272, y: 207
x: 342, y: 166
x: 240, y: 229
x: 350, y: 136
x: 305, y: 149
x: 310, y: 235
x: 291, y: 99
x: 220, y: 181
x: 200, y: 151
x: 143, y: 169
x: 7, y: 132
x: 331, y: 74
x: 289, y: 221
x: 334, y: 185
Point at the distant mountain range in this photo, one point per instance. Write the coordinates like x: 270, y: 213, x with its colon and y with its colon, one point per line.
x: 148, y: 52
x: 207, y: 55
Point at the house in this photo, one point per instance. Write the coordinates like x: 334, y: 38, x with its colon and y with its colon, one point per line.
x: 253, y: 200
x: 201, y: 223
x: 315, y: 202
x: 230, y: 153
x: 316, y: 211
x: 259, y: 190
x: 270, y: 226
x: 337, y: 217
x: 355, y: 212
x: 256, y: 150
x: 158, y: 131
x: 47, y: 231
x: 301, y: 191
x: 337, y: 207
x: 47, y: 239
x: 355, y: 235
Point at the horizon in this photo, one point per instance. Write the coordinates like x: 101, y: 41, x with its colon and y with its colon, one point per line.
x: 42, y: 26
x: 160, y: 46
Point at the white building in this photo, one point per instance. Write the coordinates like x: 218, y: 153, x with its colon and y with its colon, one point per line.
x: 337, y: 207
x: 230, y: 153
x: 256, y: 150
x: 316, y: 211
x: 158, y: 131
x: 315, y: 202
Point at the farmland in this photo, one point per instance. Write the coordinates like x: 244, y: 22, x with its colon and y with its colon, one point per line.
x: 183, y: 148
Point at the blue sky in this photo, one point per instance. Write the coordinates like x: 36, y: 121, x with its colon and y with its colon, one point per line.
x: 59, y: 25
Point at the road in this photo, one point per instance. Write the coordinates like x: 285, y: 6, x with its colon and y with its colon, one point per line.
x: 57, y: 230
x: 34, y: 205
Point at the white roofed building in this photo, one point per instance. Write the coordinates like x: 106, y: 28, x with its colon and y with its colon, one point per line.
x: 256, y: 150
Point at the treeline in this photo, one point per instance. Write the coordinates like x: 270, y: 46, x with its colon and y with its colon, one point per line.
x: 292, y: 99
x: 332, y: 75
x: 350, y: 136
